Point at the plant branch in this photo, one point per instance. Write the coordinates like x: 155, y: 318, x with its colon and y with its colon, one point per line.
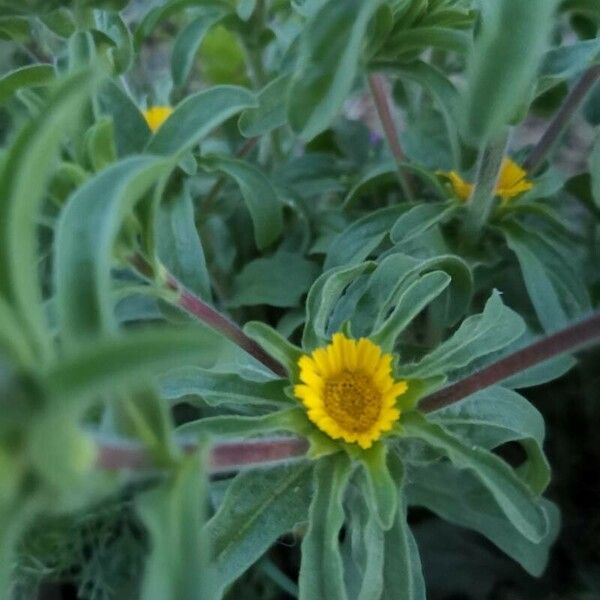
x: 207, y: 314
x: 562, y: 342
x: 481, y: 202
x: 228, y: 456
x: 378, y: 86
x: 224, y: 456
x: 569, y: 107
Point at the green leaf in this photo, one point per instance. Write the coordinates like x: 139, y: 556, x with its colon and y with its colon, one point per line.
x: 398, y: 271
x: 595, y: 172
x: 420, y: 219
x: 276, y: 345
x: 402, y: 576
x: 362, y: 237
x: 245, y: 9
x: 110, y: 363
x: 25, y: 77
x: 495, y: 416
x: 278, y: 280
x: 100, y: 144
x: 479, y: 335
x: 381, y: 491
x: 330, y: 51
x: 179, y: 246
x: 259, y: 506
x: 258, y: 192
x: 513, y: 496
x: 85, y: 241
x: 418, y: 39
x: 362, y: 551
x: 188, y: 40
x: 197, y: 116
x: 550, y: 280
x: 177, y: 567
x: 322, y: 298
x: 130, y: 127
x: 321, y: 571
x: 416, y: 297
x: 222, y: 388
x: 443, y: 92
x: 34, y: 151
x: 459, y: 497
x: 513, y: 33
x: 270, y: 112
x: 154, y: 17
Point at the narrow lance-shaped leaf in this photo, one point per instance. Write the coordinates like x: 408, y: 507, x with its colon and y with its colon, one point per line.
x: 111, y: 363
x: 270, y: 112
x: 260, y: 195
x: 516, y: 500
x: 402, y: 576
x: 179, y: 245
x: 513, y: 33
x: 29, y: 76
x: 321, y: 570
x: 496, y: 416
x: 33, y: 152
x: 276, y: 345
x: 461, y: 499
x: 259, y: 507
x: 177, y: 567
x: 190, y: 38
x: 197, y: 116
x: 479, y: 335
x: 411, y: 303
x: 322, y: 297
x: 85, y: 240
x: 380, y: 489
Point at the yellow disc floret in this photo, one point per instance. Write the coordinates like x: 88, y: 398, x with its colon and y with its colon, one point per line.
x: 156, y: 116
x: 348, y: 390
x: 512, y: 181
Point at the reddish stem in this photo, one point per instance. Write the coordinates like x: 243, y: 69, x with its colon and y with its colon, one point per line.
x: 566, y: 340
x: 379, y: 91
x: 572, y: 102
x: 205, y: 313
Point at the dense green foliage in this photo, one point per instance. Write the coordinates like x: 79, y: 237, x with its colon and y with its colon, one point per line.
x: 158, y: 286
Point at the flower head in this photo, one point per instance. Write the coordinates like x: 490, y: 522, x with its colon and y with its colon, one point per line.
x: 156, y: 115
x: 512, y: 181
x: 348, y: 390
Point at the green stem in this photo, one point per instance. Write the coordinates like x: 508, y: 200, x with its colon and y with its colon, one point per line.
x: 481, y: 202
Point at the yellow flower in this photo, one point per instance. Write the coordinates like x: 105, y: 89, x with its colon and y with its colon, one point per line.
x: 156, y: 115
x: 348, y: 390
x: 511, y: 182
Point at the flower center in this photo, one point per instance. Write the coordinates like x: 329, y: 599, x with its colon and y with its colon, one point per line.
x: 352, y: 400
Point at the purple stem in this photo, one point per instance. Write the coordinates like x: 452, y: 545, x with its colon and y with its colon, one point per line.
x: 566, y: 340
x: 205, y: 313
x: 224, y: 456
x: 378, y: 86
x: 572, y: 102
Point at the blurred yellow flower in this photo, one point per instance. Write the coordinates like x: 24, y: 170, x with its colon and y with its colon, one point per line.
x: 348, y: 390
x: 156, y: 115
x: 511, y: 182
